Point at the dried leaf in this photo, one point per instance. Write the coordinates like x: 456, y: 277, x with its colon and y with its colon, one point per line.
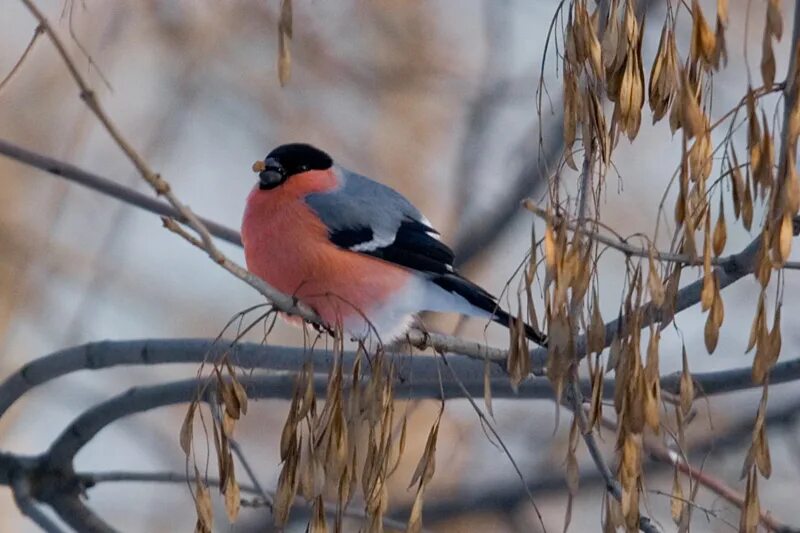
x: 232, y: 498
x: 202, y: 501
x: 775, y: 19
x: 487, y: 389
x: 747, y: 207
x: 550, y: 253
x: 594, y: 48
x: 228, y: 424
x: 753, y: 130
x: 596, y: 407
x: 610, y: 41
x: 763, y: 461
x: 751, y: 514
x: 686, y: 386
x: 707, y: 294
x: 284, y: 36
x: 241, y: 395
x: 671, y: 294
x: 711, y: 335
x: 287, y: 485
x: 654, y: 282
x: 186, y: 429
x: 737, y: 184
x: 703, y: 39
x: 317, y: 523
x: 722, y: 11
x: 597, y: 329
x: 664, y: 83
x: 720, y: 49
x: 775, y: 340
x: 720, y: 231
x: 427, y: 461
x: 758, y: 453
x: 677, y: 500
x: 718, y: 308
x: 692, y: 118
x: 652, y: 382
x: 785, y: 238
x: 560, y: 353
x: 759, y: 323
x: 572, y: 474
x: 414, y: 524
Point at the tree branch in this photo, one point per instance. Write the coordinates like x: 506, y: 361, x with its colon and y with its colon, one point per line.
x: 109, y: 188
x: 621, y: 245
x: 283, y: 301
x: 416, y: 376
x: 415, y: 373
x: 113, y: 353
x: 22, y: 496
x: 79, y: 517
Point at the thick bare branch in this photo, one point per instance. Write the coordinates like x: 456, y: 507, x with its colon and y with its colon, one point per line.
x: 417, y: 375
x: 79, y: 517
x: 22, y: 497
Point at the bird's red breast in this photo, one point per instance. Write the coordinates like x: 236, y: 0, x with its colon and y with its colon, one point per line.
x: 287, y: 245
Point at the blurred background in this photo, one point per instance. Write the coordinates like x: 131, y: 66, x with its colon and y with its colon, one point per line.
x: 436, y: 99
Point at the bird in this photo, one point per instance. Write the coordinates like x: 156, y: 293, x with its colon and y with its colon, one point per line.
x: 354, y: 250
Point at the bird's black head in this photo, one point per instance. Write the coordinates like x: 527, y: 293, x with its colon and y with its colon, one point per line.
x: 287, y: 160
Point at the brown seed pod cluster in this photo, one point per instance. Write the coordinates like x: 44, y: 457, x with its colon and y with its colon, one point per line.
x: 602, y: 63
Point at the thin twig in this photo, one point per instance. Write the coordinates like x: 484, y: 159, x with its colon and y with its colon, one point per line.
x: 109, y: 187
x: 234, y: 445
x: 36, y: 33
x: 548, y: 478
x: 659, y: 453
x: 574, y: 394
x: 623, y: 246
x: 284, y: 302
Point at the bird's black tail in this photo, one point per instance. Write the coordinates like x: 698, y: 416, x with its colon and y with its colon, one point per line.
x: 481, y: 299
x: 502, y: 317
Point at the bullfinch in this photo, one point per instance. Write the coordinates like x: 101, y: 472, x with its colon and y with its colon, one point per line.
x: 354, y: 250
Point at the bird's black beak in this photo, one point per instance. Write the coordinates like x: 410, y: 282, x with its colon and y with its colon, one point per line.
x: 270, y: 174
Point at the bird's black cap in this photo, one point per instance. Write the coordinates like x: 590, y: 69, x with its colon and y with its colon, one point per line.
x: 290, y: 159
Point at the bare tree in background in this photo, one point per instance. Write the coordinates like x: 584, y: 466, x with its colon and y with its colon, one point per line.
x: 346, y: 428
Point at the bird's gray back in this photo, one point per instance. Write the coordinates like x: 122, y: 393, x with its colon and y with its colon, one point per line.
x: 361, y: 202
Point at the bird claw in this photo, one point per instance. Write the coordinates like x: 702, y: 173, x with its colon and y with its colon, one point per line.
x: 322, y: 329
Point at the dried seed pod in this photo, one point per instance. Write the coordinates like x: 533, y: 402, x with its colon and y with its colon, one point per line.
x: 284, y: 37
x: 703, y: 39
x: 720, y: 231
x: 692, y: 118
x: 737, y: 184
x: 720, y: 48
x: 686, y: 387
x: 664, y: 81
